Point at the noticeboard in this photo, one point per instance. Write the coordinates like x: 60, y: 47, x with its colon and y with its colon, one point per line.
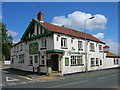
x: 33, y: 48
x: 66, y: 61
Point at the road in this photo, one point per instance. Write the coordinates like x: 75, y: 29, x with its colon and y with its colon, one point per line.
x: 96, y: 79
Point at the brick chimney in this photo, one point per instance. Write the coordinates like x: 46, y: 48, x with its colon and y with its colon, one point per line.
x: 40, y: 16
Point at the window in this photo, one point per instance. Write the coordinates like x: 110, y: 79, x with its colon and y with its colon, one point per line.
x: 41, y: 31
x: 97, y: 63
x: 80, y: 46
x: 76, y: 60
x: 63, y: 43
x: 37, y: 29
x: 12, y: 60
x: 17, y: 48
x: 100, y: 47
x: 72, y: 40
x: 42, y: 60
x: 14, y: 49
x: 116, y: 62
x: 21, y: 58
x: 21, y: 47
x: 92, y: 62
x: 57, y: 38
x: 36, y: 59
x: 100, y: 62
x: 31, y: 60
x: 43, y: 42
x: 92, y: 47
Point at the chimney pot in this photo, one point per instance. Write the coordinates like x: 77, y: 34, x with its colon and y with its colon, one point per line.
x: 40, y: 16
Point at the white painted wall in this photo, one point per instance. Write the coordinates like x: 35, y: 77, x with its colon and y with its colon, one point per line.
x: 52, y: 43
x: 25, y: 66
x: 73, y: 69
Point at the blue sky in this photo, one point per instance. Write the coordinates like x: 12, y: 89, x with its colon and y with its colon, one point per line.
x: 17, y: 16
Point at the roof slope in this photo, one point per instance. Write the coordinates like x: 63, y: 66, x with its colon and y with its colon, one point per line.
x: 109, y: 54
x: 68, y: 31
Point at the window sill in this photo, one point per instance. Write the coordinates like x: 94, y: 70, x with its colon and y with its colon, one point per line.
x: 21, y: 62
x: 30, y: 65
x: 92, y: 50
x: 42, y: 65
x: 80, y: 49
x: 101, y: 51
x: 97, y: 65
x: 43, y: 48
x: 92, y: 66
x: 78, y: 65
x: 64, y: 48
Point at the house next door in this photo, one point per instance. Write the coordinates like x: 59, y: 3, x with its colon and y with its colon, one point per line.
x: 54, y: 62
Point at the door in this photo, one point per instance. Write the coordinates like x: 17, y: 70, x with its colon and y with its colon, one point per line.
x: 54, y: 62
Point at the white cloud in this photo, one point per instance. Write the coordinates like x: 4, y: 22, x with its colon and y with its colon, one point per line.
x: 16, y: 40
x: 12, y: 33
x: 99, y: 35
x: 76, y: 20
x: 109, y: 42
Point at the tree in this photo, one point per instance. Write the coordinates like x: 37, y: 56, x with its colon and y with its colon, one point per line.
x: 6, y: 42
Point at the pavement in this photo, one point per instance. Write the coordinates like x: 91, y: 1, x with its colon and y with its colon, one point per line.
x: 16, y: 77
x: 96, y: 79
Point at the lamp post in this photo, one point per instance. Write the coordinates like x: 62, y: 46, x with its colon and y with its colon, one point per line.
x: 86, y: 62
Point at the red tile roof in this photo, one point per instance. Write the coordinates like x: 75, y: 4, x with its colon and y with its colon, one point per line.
x: 68, y: 31
x: 109, y: 54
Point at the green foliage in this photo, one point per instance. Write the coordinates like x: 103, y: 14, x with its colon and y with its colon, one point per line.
x: 6, y: 41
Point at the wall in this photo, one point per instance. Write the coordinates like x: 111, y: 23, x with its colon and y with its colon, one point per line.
x: 25, y: 66
x: 73, y: 69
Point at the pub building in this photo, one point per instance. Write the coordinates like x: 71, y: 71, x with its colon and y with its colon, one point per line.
x: 48, y: 48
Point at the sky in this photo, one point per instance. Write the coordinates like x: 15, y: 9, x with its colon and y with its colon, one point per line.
x: 17, y: 16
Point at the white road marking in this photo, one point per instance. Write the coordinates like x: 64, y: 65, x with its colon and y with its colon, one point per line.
x: 23, y: 83
x: 31, y: 81
x: 112, y: 75
x: 12, y: 83
x: 68, y: 84
x: 9, y: 79
x: 101, y: 77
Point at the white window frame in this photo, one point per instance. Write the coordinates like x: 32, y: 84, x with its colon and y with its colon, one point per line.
x: 92, y: 62
x: 30, y: 59
x: 43, y: 43
x: 97, y: 62
x: 115, y: 61
x: 80, y: 45
x: 76, y: 60
x: 100, y: 47
x: 92, y: 47
x: 42, y: 60
x: 63, y: 43
x: 21, y: 58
